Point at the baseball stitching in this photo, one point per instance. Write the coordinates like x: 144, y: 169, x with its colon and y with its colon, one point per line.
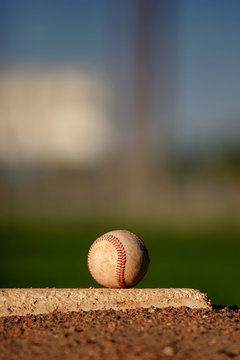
x: 121, y: 258
x: 136, y: 236
x: 141, y: 243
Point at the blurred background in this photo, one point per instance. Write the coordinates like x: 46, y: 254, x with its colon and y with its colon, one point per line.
x: 120, y: 114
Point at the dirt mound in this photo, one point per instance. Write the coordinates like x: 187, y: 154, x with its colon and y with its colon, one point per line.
x: 179, y: 333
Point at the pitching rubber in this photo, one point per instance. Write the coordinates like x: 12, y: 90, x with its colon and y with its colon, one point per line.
x: 42, y: 301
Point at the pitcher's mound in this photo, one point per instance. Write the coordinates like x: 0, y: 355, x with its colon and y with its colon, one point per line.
x: 168, y: 333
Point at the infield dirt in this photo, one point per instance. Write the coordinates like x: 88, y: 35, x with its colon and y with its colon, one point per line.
x: 177, y: 333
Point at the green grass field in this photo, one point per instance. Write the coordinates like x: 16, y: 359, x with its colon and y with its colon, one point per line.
x: 55, y: 255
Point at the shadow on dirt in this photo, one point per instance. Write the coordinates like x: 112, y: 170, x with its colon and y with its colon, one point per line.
x: 221, y: 307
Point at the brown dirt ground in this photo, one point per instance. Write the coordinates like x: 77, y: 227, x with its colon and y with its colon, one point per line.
x: 132, y: 334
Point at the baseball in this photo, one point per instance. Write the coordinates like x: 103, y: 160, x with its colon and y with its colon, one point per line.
x: 118, y: 259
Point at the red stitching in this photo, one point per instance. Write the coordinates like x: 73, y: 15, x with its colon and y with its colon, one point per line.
x: 136, y: 237
x: 141, y: 243
x: 121, y: 258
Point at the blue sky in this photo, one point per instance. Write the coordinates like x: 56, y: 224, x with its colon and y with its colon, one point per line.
x: 209, y: 70
x: 42, y: 30
x: 207, y: 57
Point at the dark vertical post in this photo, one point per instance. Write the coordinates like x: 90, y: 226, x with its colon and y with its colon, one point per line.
x: 142, y: 97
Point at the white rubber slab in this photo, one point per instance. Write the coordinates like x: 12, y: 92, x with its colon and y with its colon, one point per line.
x: 42, y: 301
